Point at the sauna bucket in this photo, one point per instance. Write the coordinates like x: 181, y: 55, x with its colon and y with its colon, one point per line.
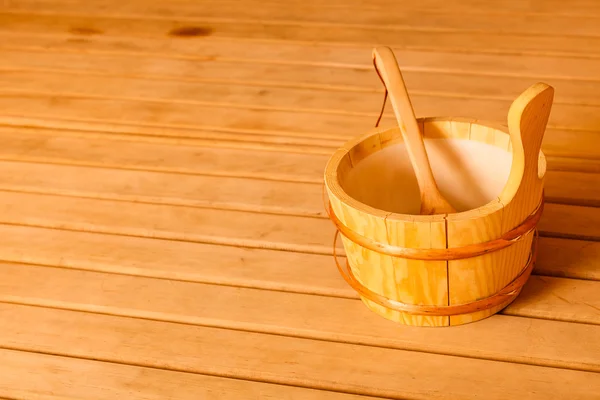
x: 436, y: 270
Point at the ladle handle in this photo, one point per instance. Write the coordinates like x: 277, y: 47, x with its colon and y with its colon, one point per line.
x: 387, y: 67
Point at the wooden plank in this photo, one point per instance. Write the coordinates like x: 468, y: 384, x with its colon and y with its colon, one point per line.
x: 94, y: 150
x: 575, y: 115
x: 221, y: 49
x: 389, y: 18
x: 283, y: 360
x: 558, y: 220
x: 218, y: 162
x: 235, y: 266
x: 254, y: 141
x: 35, y: 70
x: 578, y: 221
x: 175, y: 260
x: 190, y: 136
x: 270, y: 120
x: 59, y: 378
x: 568, y: 258
x: 258, y: 195
x: 302, y: 99
x: 308, y: 168
x: 431, y: 40
x: 214, y: 191
x: 571, y: 299
x: 479, y: 7
x: 572, y: 164
x: 586, y: 194
x: 235, y: 228
x: 498, y: 338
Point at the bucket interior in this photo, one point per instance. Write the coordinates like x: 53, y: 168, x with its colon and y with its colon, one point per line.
x: 468, y: 173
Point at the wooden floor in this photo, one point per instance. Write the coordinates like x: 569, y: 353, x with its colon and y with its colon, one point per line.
x: 162, y: 230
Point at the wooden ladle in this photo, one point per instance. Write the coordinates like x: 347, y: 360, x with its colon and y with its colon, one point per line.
x: 432, y: 201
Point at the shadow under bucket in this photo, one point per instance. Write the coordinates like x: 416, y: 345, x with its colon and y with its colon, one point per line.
x: 437, y: 270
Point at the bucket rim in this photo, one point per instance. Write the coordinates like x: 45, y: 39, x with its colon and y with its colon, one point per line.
x: 334, y: 187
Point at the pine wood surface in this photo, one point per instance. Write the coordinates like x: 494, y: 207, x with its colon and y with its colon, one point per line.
x: 163, y: 234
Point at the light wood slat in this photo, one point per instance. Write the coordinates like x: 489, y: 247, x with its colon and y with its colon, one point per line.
x: 205, y: 191
x: 164, y: 188
x: 572, y: 164
x: 235, y: 228
x: 236, y: 140
x: 498, y: 338
x: 578, y: 221
x: 244, y: 50
x: 191, y: 136
x: 586, y: 188
x: 571, y: 299
x: 317, y: 85
x: 94, y: 150
x: 417, y: 19
x: 315, y: 54
x: 479, y: 7
x: 454, y: 41
x: 175, y: 260
x: 538, y: 8
x: 234, y: 266
x: 27, y: 375
x: 312, y: 235
x: 558, y: 219
x: 232, y: 117
x: 278, y: 359
x: 23, y: 67
x: 84, y: 82
x: 37, y: 70
x: 568, y: 258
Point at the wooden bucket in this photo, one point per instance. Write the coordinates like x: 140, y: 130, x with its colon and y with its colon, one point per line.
x: 435, y: 270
